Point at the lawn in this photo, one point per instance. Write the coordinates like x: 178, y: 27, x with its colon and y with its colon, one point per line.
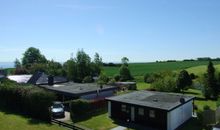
x: 102, y: 122
x: 99, y: 122
x: 139, y: 69
x: 11, y: 121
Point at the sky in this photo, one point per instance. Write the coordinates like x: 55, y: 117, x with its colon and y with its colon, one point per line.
x: 142, y: 30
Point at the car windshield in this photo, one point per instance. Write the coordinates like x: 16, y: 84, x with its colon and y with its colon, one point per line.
x: 57, y: 106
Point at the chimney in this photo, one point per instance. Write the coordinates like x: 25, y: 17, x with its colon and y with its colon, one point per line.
x: 50, y: 80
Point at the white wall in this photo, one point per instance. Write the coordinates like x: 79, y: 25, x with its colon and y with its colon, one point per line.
x: 96, y: 96
x: 179, y: 115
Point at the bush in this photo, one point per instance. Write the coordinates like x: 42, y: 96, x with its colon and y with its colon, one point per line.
x: 117, y: 78
x: 88, y: 79
x: 206, y: 107
x: 103, y: 79
x: 78, y: 108
x: 83, y: 108
x: 166, y: 84
x: 33, y: 101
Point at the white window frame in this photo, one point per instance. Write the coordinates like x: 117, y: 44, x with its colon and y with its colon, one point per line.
x: 141, y: 111
x: 152, y: 114
x: 123, y: 108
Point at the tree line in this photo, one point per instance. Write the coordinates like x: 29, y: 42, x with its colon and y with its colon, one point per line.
x: 80, y: 68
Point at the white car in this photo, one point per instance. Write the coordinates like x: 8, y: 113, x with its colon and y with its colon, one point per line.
x: 57, y: 109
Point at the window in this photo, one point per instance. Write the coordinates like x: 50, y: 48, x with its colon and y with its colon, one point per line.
x: 141, y: 111
x: 123, y: 108
x: 152, y: 114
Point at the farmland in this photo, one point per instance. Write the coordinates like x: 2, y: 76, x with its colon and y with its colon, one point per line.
x: 139, y: 69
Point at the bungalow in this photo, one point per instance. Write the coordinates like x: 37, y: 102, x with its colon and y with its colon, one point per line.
x: 166, y: 111
x: 88, y: 91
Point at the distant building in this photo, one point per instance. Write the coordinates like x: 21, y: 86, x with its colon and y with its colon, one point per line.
x: 164, y: 111
x: 40, y: 78
x: 3, y: 74
x: 19, y: 78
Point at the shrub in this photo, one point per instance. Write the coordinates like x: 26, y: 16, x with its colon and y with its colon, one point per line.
x: 79, y: 107
x: 33, y: 101
x: 166, y: 84
x: 206, y: 107
x: 103, y: 79
x: 117, y: 77
x: 88, y: 79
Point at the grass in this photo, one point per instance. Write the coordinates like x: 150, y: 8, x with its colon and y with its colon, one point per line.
x: 139, y: 69
x: 98, y: 122
x: 102, y: 122
x: 199, y: 70
x: 12, y: 121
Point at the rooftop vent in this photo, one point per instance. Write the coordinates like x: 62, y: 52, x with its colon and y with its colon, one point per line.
x: 182, y: 100
x: 50, y: 80
x: 155, y: 100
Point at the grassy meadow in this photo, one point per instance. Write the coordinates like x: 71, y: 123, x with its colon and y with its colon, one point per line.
x: 12, y: 121
x: 139, y: 69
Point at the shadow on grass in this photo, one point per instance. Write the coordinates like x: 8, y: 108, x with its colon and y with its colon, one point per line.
x: 193, y: 93
x: 200, y: 99
x: 133, y: 126
x: 31, y: 121
x: 194, y: 124
x: 90, y: 115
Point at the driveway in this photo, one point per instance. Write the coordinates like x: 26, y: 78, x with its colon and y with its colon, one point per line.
x: 66, y: 118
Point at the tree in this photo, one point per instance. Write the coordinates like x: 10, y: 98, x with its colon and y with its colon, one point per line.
x: 32, y: 55
x: 17, y: 63
x: 83, y: 63
x: 70, y: 69
x: 54, y: 68
x: 97, y: 65
x: 125, y: 73
x: 183, y: 80
x: 210, y: 83
x: 125, y: 61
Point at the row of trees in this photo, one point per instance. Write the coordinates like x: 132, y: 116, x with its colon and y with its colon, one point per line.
x: 78, y: 69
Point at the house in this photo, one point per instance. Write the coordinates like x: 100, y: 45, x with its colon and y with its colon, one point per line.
x: 166, y: 111
x: 40, y: 78
x: 88, y: 91
x: 19, y: 78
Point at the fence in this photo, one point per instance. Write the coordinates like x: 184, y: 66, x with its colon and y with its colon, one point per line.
x: 70, y: 126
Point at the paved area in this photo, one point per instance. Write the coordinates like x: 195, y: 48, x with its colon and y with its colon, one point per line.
x: 119, y: 128
x: 66, y: 118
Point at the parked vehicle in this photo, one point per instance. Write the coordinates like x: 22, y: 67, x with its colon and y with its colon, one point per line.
x: 57, y: 109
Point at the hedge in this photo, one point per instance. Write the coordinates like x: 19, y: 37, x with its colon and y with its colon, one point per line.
x: 30, y: 100
x: 84, y: 108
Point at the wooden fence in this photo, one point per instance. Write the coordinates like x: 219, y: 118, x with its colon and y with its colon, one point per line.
x: 70, y: 126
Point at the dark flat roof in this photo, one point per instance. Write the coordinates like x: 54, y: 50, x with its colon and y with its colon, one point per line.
x: 77, y: 89
x: 158, y: 100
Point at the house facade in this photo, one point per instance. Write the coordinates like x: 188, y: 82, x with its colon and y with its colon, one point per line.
x: 163, y: 111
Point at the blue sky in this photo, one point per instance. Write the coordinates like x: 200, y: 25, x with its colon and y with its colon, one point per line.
x: 142, y: 30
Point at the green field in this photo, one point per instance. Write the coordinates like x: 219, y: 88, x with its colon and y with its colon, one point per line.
x: 11, y: 121
x: 139, y: 69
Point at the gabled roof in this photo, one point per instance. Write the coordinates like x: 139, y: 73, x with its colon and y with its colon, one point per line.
x: 40, y: 78
x: 157, y: 100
